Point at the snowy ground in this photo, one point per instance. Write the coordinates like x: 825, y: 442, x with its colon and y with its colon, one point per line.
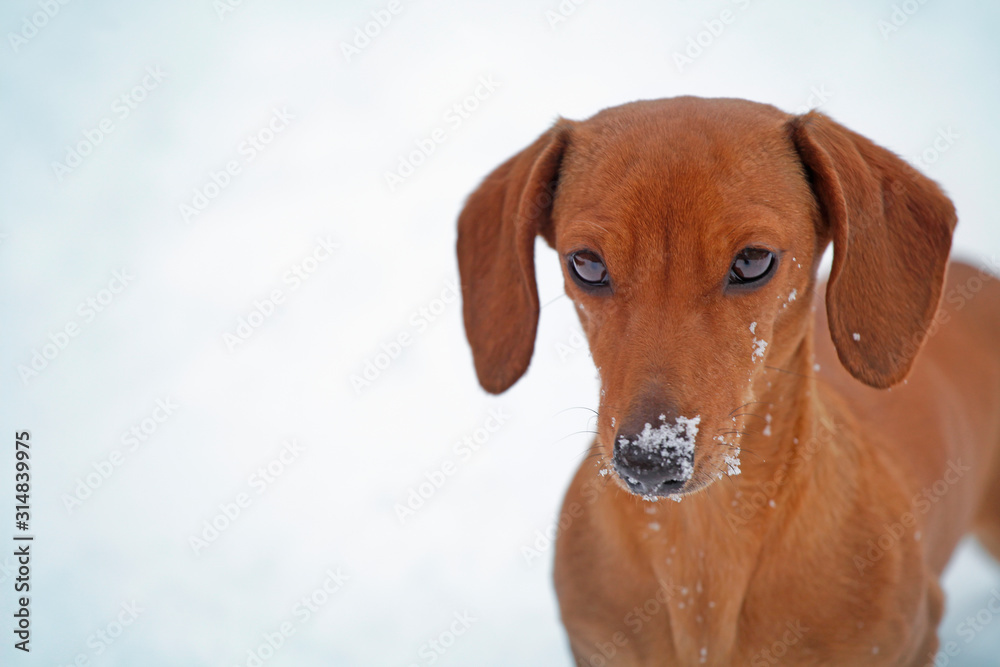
x: 256, y: 107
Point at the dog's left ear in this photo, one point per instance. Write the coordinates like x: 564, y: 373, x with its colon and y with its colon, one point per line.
x: 891, y: 229
x: 496, y: 258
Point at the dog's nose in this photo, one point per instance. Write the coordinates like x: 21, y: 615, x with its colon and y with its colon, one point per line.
x: 655, y: 457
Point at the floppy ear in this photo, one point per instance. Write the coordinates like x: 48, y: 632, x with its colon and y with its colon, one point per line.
x: 496, y: 258
x: 891, y: 229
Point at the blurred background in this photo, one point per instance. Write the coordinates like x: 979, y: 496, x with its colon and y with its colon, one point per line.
x: 229, y: 313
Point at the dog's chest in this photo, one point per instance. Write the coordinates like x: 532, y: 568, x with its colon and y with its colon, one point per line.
x: 701, y: 604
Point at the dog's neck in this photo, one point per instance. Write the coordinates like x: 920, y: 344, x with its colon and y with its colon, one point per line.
x: 783, y: 426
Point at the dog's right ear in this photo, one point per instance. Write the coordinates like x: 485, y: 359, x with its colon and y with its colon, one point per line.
x: 496, y: 258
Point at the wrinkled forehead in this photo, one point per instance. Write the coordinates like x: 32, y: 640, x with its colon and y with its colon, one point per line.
x: 664, y: 167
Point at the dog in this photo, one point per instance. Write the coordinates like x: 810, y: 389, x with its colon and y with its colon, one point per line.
x: 781, y: 469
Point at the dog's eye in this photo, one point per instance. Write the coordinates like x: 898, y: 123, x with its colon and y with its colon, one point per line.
x: 588, y: 269
x: 750, y: 266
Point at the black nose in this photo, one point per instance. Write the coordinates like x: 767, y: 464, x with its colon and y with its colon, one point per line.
x: 658, y: 459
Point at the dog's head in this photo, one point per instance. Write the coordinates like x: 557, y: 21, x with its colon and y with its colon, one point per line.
x: 689, y: 232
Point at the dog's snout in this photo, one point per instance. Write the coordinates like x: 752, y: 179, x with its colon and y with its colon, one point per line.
x: 655, y: 456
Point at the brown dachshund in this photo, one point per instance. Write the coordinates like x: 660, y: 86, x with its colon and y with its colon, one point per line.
x: 822, y: 480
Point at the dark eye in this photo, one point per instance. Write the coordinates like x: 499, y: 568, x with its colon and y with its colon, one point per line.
x: 750, y: 266
x: 588, y: 269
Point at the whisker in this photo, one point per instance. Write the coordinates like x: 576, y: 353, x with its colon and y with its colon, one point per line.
x: 592, y: 452
x: 801, y: 375
x: 577, y: 407
x: 746, y: 404
x: 749, y: 414
x: 571, y: 435
x: 551, y: 301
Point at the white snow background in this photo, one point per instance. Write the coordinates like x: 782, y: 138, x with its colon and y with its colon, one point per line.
x: 331, y: 507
